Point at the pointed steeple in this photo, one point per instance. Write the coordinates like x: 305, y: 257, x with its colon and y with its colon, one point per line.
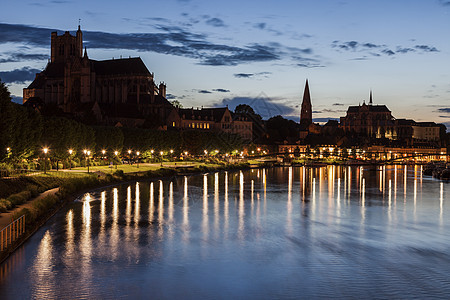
x: 306, y: 112
x: 85, y: 53
x: 370, y: 98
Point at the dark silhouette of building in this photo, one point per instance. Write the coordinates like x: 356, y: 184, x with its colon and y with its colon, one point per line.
x: 369, y: 120
x: 306, y: 112
x: 110, y: 92
x: 219, y: 119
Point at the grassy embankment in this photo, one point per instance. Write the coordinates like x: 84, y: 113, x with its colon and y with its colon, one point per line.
x: 20, y: 190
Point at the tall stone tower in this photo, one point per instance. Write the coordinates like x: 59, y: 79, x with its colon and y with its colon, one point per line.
x: 66, y: 47
x: 306, y: 113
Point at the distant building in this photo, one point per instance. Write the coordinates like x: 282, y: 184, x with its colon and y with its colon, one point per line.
x: 210, y: 119
x: 369, y: 120
x: 114, y: 92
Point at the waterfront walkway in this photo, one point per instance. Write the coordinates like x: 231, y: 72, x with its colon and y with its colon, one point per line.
x: 7, y: 217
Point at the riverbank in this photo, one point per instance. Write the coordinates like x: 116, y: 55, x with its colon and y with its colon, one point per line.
x: 40, y: 209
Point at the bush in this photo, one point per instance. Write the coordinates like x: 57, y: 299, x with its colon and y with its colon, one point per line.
x: 33, y: 190
x: 4, y: 205
x: 45, y: 204
x: 19, y: 198
x: 77, y: 184
x: 119, y: 173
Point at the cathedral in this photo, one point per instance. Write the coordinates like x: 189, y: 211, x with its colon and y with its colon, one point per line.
x: 117, y: 92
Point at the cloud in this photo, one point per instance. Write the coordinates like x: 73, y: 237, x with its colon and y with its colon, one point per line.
x: 444, y: 2
x: 173, y: 40
x: 252, y: 75
x: 170, y: 96
x: 260, y: 26
x: 19, y: 76
x: 444, y: 110
x: 388, y: 52
x: 243, y: 75
x: 18, y: 57
x: 216, y: 22
x: 338, y: 104
x: 379, y: 49
x: 221, y: 90
x: 404, y: 50
x: 263, y: 105
x: 426, y: 48
x: 204, y: 92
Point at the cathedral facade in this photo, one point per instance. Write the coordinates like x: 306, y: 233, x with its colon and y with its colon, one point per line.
x: 117, y: 92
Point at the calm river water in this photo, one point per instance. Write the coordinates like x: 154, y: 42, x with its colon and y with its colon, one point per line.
x: 330, y: 232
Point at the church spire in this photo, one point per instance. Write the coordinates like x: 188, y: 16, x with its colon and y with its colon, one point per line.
x: 370, y: 98
x: 306, y: 112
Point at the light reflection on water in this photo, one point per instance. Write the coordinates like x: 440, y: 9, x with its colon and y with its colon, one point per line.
x: 267, y: 233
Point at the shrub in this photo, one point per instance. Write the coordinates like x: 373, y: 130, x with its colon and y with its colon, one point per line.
x: 43, y: 205
x: 119, y: 173
x: 19, y: 198
x: 33, y: 190
x: 5, y: 204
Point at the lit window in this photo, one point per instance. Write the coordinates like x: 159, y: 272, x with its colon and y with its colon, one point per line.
x: 173, y: 124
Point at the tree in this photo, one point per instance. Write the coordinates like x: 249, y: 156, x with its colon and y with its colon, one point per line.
x: 6, y: 120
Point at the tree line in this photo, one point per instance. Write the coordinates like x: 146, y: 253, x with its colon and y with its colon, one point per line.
x: 24, y: 133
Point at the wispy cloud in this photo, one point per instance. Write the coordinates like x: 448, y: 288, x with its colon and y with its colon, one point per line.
x: 221, y: 90
x: 19, y: 76
x: 444, y: 110
x: 173, y: 40
x: 252, y: 75
x: 215, y: 22
x: 204, y: 92
x: 263, y: 105
x: 444, y: 2
x: 379, y: 49
x: 18, y: 57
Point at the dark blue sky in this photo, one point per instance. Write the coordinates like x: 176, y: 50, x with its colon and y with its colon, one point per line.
x: 212, y: 53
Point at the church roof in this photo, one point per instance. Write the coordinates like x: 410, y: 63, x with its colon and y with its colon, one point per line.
x: 123, y: 66
x: 370, y: 108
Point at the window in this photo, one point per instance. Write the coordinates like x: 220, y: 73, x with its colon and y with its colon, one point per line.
x: 173, y: 124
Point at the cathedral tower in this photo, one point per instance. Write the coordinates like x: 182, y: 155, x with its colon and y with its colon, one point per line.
x: 306, y: 112
x: 66, y: 47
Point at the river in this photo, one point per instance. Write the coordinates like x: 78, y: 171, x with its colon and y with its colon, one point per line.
x: 293, y: 232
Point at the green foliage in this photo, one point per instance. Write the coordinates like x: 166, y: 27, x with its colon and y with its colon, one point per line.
x: 19, y: 198
x: 77, y: 184
x: 108, y: 138
x: 43, y: 205
x: 62, y: 134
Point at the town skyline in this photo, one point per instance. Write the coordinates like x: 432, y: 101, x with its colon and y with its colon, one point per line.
x: 209, y: 55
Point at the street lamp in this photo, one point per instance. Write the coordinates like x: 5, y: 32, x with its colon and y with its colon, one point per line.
x: 45, y: 150
x: 86, y: 156
x: 161, y: 157
x: 70, y: 160
x: 129, y: 157
x: 137, y: 154
x: 116, y: 153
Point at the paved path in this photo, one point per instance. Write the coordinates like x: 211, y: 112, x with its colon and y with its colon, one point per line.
x: 6, y: 218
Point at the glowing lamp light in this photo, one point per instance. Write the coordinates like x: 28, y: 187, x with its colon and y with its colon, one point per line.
x: 70, y: 151
x: 45, y: 150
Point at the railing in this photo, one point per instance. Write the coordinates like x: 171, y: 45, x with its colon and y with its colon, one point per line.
x: 12, y: 232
